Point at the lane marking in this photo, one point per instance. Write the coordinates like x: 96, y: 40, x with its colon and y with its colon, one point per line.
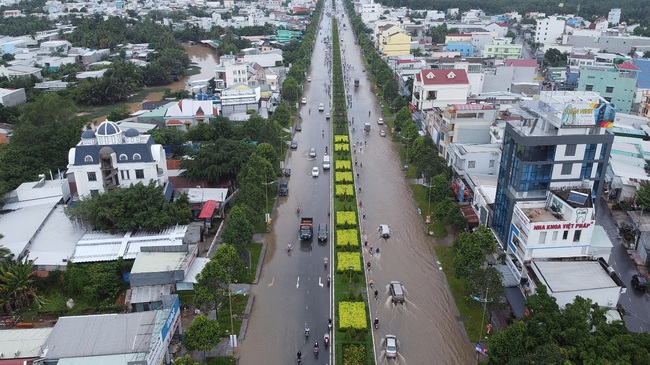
x: 320, y: 283
x: 272, y: 281
x: 298, y: 282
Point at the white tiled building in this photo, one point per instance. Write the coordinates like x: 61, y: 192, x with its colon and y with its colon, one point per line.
x: 109, y: 158
x: 548, y: 30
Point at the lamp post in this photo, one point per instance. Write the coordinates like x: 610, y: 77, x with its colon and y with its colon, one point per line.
x: 407, y: 147
x: 480, y: 336
x: 266, y: 194
x: 350, y: 268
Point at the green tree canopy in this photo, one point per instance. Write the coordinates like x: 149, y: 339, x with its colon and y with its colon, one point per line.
x: 290, y: 90
x: 214, y: 161
x: 139, y: 206
x: 642, y: 196
x: 239, y: 231
x: 470, y: 249
x: 202, y: 334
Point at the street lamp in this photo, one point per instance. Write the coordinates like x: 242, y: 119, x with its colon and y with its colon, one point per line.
x: 350, y: 268
x: 407, y: 148
x: 266, y: 193
x: 479, y: 347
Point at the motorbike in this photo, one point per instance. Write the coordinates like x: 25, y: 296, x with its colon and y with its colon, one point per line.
x: 376, y: 323
x: 326, y: 339
x: 329, y: 324
x: 298, y: 211
x: 325, y: 262
x: 306, y: 331
x: 289, y: 247
x: 316, y: 349
x: 328, y: 281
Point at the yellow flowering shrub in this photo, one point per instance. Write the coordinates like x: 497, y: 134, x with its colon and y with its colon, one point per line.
x: 344, y: 189
x: 352, y: 315
x: 346, y: 259
x: 343, y: 165
x: 347, y: 237
x: 343, y: 177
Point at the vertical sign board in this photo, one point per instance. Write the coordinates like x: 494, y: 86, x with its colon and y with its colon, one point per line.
x: 159, y: 346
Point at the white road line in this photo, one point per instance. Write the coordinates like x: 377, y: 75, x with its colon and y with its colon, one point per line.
x: 272, y: 281
x: 298, y: 282
x: 320, y: 283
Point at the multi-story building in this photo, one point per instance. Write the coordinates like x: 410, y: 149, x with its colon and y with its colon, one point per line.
x: 395, y: 43
x: 642, y: 84
x: 614, y: 16
x: 644, y: 107
x: 557, y: 143
x: 439, y: 88
x: 548, y: 30
x: 502, y: 48
x: 231, y: 71
x: 461, y: 123
x: 573, y: 64
x: 471, y: 158
x: 466, y: 49
x: 615, y: 83
x: 108, y: 159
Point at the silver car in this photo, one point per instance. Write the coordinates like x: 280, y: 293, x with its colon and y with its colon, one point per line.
x: 312, y: 152
x: 397, y: 292
x: 390, y: 346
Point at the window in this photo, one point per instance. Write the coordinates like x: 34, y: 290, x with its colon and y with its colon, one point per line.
x: 542, y: 238
x: 88, y: 158
x: 609, y: 89
x: 94, y: 192
x: 139, y: 174
x: 565, y: 235
x: 432, y: 95
x: 570, y: 150
x: 92, y: 176
x: 589, y: 87
x: 125, y: 174
x: 554, y: 236
x: 576, y: 235
x: 566, y: 168
x: 471, y: 164
x: 491, y: 163
x: 124, y: 157
x: 137, y: 157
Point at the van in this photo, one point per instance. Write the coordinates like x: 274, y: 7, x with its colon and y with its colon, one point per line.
x: 397, y: 292
x: 283, y: 188
x: 326, y: 162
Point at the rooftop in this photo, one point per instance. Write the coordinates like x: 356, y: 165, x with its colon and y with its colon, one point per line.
x: 159, y: 261
x: 565, y: 276
x: 22, y: 343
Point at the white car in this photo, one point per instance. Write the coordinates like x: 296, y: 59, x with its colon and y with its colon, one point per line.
x: 304, y: 101
x: 312, y: 152
x: 390, y: 344
x: 382, y: 133
x: 309, y: 79
x: 321, y: 107
x: 327, y: 116
x: 384, y: 230
x: 380, y: 121
x: 314, y: 171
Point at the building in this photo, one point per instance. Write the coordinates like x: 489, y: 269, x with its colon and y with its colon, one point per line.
x: 471, y: 158
x: 393, y: 41
x: 190, y: 112
x: 12, y: 97
x: 642, y: 84
x: 119, y: 339
x: 439, y: 88
x: 644, y: 108
x: 462, y: 123
x: 616, y: 83
x: 22, y: 346
x: 109, y: 158
x: 502, y: 48
x: 549, y: 30
x: 465, y: 49
x: 556, y: 143
x: 614, y: 16
x: 6, y: 131
x: 574, y: 62
x: 232, y: 71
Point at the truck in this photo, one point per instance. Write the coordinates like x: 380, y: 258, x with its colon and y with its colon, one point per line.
x: 356, y: 82
x: 366, y: 127
x: 326, y: 162
x: 306, y: 228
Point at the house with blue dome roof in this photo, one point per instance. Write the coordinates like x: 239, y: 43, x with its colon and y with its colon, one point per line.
x: 109, y: 158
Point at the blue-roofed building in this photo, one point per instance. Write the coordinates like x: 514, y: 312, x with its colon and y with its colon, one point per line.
x: 466, y: 49
x: 642, y: 95
x: 109, y: 158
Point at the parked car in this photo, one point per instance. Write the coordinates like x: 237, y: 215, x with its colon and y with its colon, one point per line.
x: 327, y: 116
x: 283, y: 188
x: 380, y: 121
x: 298, y: 127
x: 384, y: 230
x: 309, y: 79
x: 382, y: 133
x: 397, y: 292
x: 390, y: 346
x: 294, y: 145
x: 312, y: 152
x: 304, y: 101
x: 322, y: 232
x: 639, y: 282
x: 314, y: 171
x: 287, y: 172
x: 321, y: 107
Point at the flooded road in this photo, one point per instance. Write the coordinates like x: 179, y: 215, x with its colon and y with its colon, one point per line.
x: 426, y: 325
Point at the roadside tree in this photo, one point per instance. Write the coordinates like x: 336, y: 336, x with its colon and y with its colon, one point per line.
x: 202, y: 334
x: 238, y: 231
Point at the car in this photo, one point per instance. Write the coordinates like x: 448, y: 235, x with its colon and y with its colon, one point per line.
x: 304, y: 101
x: 390, y: 346
x: 294, y: 145
x: 327, y: 116
x: 312, y: 152
x: 286, y: 172
x: 322, y: 232
x: 382, y: 133
x: 298, y: 127
x: 397, y: 292
x: 380, y: 121
x: 384, y: 230
x: 283, y: 188
x: 321, y: 107
x: 309, y: 79
x: 314, y: 171
x: 639, y: 282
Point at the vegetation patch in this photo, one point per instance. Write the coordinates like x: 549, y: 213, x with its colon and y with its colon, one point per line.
x: 343, y: 177
x: 341, y: 138
x: 344, y: 190
x: 352, y: 315
x: 347, y: 238
x: 343, y: 165
x: 346, y: 219
x: 341, y: 147
x: 354, y: 354
x: 345, y: 260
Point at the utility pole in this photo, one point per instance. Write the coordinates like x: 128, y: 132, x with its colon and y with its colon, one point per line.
x: 480, y: 336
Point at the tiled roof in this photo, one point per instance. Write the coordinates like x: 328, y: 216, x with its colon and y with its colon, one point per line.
x: 443, y: 77
x: 524, y: 62
x: 627, y: 66
x: 472, y: 107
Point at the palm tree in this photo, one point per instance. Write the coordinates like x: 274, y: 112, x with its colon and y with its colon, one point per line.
x: 17, y: 288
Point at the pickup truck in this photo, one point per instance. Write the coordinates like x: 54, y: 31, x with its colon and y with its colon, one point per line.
x: 306, y: 228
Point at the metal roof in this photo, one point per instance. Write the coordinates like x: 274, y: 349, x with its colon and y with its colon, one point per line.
x: 97, y: 335
x: 25, y: 342
x: 159, y: 261
x: 55, y: 241
x: 19, y: 226
x: 565, y: 276
x: 147, y: 294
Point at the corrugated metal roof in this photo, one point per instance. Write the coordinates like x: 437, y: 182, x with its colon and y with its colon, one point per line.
x: 147, y: 294
x: 97, y: 335
x: 561, y: 276
x: 159, y: 261
x: 104, y: 360
x: 27, y: 341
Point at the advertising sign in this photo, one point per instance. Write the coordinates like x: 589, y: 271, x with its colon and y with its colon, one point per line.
x: 581, y: 114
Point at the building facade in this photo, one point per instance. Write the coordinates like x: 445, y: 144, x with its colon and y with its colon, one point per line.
x: 548, y: 30
x: 108, y: 159
x: 556, y: 143
x: 616, y: 83
x: 439, y: 88
x: 462, y: 123
x: 502, y: 48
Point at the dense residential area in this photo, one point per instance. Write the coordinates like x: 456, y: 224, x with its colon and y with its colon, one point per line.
x: 474, y: 176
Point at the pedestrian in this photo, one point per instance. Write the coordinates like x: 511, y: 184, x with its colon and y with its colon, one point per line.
x: 365, y: 244
x: 370, y: 250
x: 376, y: 294
x: 364, y: 215
x: 377, y: 249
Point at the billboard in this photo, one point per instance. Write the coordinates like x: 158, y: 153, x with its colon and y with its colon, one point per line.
x: 586, y: 114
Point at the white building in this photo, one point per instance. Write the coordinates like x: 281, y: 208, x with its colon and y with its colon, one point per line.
x: 548, y: 30
x: 614, y: 16
x: 108, y: 158
x: 440, y: 88
x: 461, y: 123
x: 474, y: 158
x: 12, y: 97
x: 232, y: 71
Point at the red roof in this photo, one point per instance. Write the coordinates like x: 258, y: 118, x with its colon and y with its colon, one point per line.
x: 470, y: 215
x: 524, y: 62
x: 208, y: 209
x: 627, y: 66
x: 443, y: 77
x: 460, y: 35
x: 399, y: 62
x: 472, y: 107
x: 173, y: 164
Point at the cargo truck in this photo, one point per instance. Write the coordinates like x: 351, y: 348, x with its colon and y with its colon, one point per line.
x: 306, y: 228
